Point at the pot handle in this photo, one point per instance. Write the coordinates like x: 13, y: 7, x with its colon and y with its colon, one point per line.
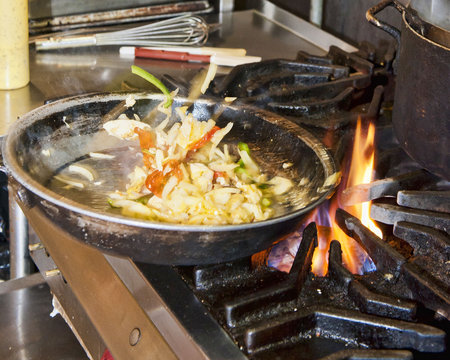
x: 391, y: 30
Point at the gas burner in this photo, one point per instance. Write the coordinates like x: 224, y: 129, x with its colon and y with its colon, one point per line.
x: 399, y: 311
x: 414, y: 206
x: 424, y: 273
x: 377, y: 315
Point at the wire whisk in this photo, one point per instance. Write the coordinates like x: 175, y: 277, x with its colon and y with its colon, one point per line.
x: 185, y: 30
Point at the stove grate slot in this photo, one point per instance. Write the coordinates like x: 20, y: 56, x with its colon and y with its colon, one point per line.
x: 349, y: 327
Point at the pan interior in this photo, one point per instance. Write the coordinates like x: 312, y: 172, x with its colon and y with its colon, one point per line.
x: 46, y: 145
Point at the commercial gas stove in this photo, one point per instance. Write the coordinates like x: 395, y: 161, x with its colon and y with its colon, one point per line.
x: 398, y: 309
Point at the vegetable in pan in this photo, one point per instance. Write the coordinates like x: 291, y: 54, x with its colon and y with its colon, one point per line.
x: 188, y: 176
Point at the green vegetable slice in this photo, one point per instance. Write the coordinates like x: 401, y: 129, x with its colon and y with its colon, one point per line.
x: 266, y: 202
x: 153, y: 80
x: 143, y: 199
x: 244, y: 147
x: 263, y: 186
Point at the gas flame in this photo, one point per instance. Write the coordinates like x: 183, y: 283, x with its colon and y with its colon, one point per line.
x: 358, y: 171
x: 361, y: 172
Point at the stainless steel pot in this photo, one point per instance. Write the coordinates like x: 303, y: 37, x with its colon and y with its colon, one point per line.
x: 435, y: 12
x: 421, y: 114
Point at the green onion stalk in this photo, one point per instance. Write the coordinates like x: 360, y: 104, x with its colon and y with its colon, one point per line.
x: 155, y: 81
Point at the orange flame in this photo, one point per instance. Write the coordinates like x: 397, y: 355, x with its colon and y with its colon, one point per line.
x: 359, y: 172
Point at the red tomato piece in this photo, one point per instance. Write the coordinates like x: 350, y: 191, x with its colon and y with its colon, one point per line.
x: 146, y: 141
x: 146, y: 138
x: 204, y: 139
x: 155, y: 182
x: 174, y: 169
x: 218, y: 174
x: 147, y: 160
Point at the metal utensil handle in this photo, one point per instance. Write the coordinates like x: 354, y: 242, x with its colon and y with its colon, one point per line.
x: 391, y: 30
x: 53, y: 43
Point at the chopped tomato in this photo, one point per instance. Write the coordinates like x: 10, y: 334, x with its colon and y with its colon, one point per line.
x: 189, y: 155
x: 146, y: 138
x: 204, y: 139
x: 178, y: 172
x: 172, y: 167
x: 147, y: 159
x: 156, y: 181
x: 146, y: 141
x: 218, y: 174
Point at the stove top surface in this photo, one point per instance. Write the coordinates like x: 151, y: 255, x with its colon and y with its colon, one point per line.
x: 335, y: 317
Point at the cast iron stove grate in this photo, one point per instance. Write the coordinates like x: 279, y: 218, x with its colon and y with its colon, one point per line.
x: 378, y: 315
x: 318, y: 91
x: 399, y: 311
x: 416, y: 211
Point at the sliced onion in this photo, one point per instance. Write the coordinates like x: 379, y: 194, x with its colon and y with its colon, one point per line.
x: 70, y: 182
x: 133, y: 209
x: 212, y: 69
x: 130, y: 101
x: 250, y: 165
x: 280, y: 184
x: 97, y: 155
x: 222, y: 166
x: 81, y: 170
x: 218, y: 136
x: 124, y: 128
x: 159, y: 157
x: 170, y: 185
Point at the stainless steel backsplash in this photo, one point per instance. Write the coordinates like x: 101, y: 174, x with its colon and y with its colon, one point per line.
x: 50, y: 8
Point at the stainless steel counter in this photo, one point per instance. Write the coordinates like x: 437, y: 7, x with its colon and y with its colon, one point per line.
x: 28, y: 330
x: 267, y: 32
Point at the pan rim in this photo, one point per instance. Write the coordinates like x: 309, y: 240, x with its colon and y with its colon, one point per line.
x: 23, y: 178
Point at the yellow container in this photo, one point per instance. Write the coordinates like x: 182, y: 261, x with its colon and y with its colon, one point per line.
x: 14, y: 57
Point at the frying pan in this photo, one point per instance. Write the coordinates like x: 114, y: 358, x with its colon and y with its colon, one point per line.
x: 44, y: 142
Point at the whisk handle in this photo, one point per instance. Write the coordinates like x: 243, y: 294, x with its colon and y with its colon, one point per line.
x: 53, y: 43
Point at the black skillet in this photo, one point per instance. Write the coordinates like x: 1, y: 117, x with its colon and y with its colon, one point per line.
x: 45, y: 141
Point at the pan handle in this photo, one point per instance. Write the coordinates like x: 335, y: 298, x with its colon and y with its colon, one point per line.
x: 391, y: 30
